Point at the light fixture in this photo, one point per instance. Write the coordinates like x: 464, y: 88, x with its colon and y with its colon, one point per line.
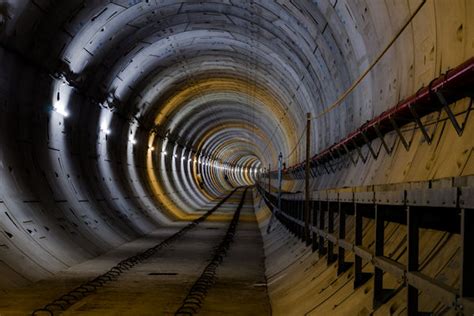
x: 63, y: 112
x: 105, y: 129
x: 151, y: 148
x: 164, y: 153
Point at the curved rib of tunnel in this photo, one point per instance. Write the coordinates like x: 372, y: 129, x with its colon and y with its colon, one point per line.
x: 122, y: 118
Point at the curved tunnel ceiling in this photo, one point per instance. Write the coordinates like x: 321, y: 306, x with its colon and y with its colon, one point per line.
x: 203, y: 87
x: 146, y: 110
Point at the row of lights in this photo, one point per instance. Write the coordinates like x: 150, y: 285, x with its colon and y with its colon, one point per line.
x: 133, y: 141
x: 106, y: 130
x: 225, y: 167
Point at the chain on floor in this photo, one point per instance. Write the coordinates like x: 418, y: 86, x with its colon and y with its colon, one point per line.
x: 196, y: 295
x: 72, y: 297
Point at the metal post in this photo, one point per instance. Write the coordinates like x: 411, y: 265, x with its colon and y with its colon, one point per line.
x: 275, y: 212
x: 322, y: 249
x: 269, y: 179
x: 359, y: 277
x: 341, y: 255
x: 301, y: 229
x: 331, y: 256
x: 342, y: 265
x: 379, y: 251
x: 467, y: 253
x: 315, y: 245
x: 307, y: 211
x: 280, y: 165
x: 413, y: 249
x: 357, y: 242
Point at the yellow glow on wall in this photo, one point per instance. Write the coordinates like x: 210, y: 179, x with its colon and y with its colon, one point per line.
x: 159, y: 193
x: 236, y: 85
x: 183, y: 95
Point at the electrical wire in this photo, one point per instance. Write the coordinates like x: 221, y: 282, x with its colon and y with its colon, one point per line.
x: 347, y: 92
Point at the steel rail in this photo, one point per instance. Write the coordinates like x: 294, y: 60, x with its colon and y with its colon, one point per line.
x: 193, y: 301
x: 72, y: 297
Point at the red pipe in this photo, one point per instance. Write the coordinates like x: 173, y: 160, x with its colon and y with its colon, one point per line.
x: 454, y: 85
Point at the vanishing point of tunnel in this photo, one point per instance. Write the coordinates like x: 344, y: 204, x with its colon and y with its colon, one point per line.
x: 236, y: 157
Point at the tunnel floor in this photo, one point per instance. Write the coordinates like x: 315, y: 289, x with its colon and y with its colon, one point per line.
x: 159, y: 285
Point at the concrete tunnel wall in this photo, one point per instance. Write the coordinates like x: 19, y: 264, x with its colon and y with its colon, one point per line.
x: 117, y: 117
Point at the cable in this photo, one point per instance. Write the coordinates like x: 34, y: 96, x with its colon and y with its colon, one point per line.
x: 372, y: 65
x: 338, y: 102
x: 296, y: 146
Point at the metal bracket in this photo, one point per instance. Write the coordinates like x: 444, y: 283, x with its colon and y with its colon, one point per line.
x: 349, y: 153
x: 327, y: 170
x: 332, y: 157
x: 330, y: 167
x: 369, y: 145
x: 382, y: 139
x: 338, y: 165
x: 317, y: 171
x: 422, y: 127
x: 345, y: 160
x: 400, y: 135
x: 452, y: 118
x: 312, y: 171
x: 364, y: 159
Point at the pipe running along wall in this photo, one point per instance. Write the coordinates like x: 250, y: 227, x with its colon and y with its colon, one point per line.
x: 119, y: 116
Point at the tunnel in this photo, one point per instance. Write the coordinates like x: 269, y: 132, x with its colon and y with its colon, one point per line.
x: 236, y: 157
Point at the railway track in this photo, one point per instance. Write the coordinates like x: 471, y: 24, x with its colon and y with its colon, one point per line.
x: 193, y: 301
x: 64, y: 302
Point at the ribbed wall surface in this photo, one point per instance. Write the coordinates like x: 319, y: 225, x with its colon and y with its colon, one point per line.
x: 119, y: 117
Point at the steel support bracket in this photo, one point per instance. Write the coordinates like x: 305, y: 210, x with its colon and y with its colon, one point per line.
x: 400, y: 135
x: 349, y: 153
x: 422, y: 127
x: 459, y: 129
x: 364, y: 159
x: 369, y: 145
x: 382, y: 139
